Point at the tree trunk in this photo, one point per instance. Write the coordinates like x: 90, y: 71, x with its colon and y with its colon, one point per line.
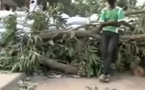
x: 54, y: 65
x: 134, y: 12
x: 83, y: 36
x: 79, y: 44
x: 51, y: 35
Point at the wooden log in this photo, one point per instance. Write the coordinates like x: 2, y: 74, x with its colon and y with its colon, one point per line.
x: 54, y: 65
x: 80, y: 44
x: 138, y: 71
x: 82, y: 35
x: 51, y: 35
x: 92, y: 33
x: 134, y: 12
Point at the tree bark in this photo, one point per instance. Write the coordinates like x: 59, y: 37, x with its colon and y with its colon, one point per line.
x: 138, y: 37
x: 80, y: 44
x: 54, y: 65
x: 60, y: 34
x: 83, y: 36
x: 134, y: 12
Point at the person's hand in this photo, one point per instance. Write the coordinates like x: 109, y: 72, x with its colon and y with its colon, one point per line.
x: 127, y: 24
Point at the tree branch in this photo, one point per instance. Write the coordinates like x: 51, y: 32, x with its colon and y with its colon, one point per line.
x: 134, y: 12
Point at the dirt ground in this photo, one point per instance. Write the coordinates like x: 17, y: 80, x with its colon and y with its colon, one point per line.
x: 119, y: 82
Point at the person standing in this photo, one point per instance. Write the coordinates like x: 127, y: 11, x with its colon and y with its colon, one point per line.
x: 110, y: 36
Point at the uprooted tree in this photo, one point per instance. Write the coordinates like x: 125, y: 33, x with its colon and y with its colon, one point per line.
x: 69, y: 51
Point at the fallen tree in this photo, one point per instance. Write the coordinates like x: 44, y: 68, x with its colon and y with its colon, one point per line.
x: 134, y: 12
x: 82, y: 35
x: 64, y: 48
x: 54, y: 65
x: 90, y: 33
x: 60, y: 34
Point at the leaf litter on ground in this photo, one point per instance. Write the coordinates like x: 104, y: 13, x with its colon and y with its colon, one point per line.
x: 26, y: 84
x: 96, y: 88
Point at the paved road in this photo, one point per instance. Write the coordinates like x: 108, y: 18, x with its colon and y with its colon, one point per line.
x: 122, y: 82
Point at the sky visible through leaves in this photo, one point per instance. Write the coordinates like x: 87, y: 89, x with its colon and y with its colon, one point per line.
x: 140, y: 2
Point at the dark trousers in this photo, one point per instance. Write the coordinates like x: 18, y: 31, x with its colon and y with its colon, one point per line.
x: 110, y: 42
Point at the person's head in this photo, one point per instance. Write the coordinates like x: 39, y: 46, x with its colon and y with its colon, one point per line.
x: 32, y: 1
x: 111, y: 2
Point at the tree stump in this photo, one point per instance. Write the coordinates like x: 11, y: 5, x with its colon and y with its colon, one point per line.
x: 138, y: 71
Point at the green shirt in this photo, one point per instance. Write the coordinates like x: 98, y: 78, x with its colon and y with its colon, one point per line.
x: 116, y: 14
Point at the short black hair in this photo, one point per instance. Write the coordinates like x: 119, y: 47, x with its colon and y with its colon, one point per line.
x: 111, y: 0
x: 32, y: 1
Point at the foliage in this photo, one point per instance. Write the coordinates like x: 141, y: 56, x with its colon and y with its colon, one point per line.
x: 17, y: 56
x: 127, y: 3
x: 42, y: 19
x: 23, y: 53
x: 122, y: 3
x: 87, y: 7
x: 132, y: 53
x: 20, y: 2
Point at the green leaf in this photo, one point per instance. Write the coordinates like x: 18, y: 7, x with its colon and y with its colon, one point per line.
x: 89, y: 70
x: 99, y: 71
x: 119, y: 59
x: 90, y: 60
x: 95, y: 58
x: 70, y: 51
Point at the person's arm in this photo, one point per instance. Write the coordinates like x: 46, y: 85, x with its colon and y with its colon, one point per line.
x: 102, y: 19
x: 104, y: 23
x: 102, y: 16
x: 127, y: 24
x: 110, y: 23
x: 121, y: 21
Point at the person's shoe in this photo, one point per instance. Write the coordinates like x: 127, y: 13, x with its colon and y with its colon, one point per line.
x: 108, y: 78
x: 102, y: 78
